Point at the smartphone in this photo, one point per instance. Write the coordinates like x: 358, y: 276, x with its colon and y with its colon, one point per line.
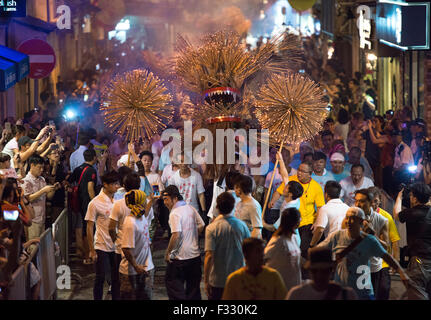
x: 85, y: 97
x: 10, y: 215
x: 51, y: 124
x: 156, y: 190
x: 7, y: 126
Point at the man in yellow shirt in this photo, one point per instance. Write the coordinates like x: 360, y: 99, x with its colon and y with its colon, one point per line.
x: 310, y: 202
x: 254, y: 281
x: 393, y: 250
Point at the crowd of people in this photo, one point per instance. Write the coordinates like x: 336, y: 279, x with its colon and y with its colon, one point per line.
x: 332, y: 229
x: 343, y: 212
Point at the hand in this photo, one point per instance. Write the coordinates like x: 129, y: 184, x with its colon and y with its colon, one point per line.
x: 167, y: 258
x: 207, y: 289
x: 400, y: 194
x: 370, y: 124
x: 140, y: 269
x: 48, y: 189
x: 57, y: 185
x: 93, y: 255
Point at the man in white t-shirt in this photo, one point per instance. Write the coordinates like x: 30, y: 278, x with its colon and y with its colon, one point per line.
x: 119, y: 212
x: 228, y: 186
x: 11, y: 148
x: 136, y: 267
x: 102, y: 248
x: 356, y: 181
x: 183, y: 257
x: 190, y: 184
x: 330, y: 216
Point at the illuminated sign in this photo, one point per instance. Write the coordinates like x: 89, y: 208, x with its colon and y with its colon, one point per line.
x: 403, y: 25
x: 364, y: 26
x: 12, y: 8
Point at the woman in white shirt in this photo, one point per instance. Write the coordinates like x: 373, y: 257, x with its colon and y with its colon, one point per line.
x: 282, y: 252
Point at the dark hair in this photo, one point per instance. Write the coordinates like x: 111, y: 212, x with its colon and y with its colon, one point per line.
x: 376, y: 191
x: 89, y: 155
x: 319, y: 156
x: 110, y: 177
x: 9, y: 187
x: 123, y: 172
x: 355, y: 149
x: 296, y: 189
x: 231, y: 178
x: 91, y: 133
x: 343, y: 116
x: 35, y: 160
x: 249, y: 244
x: 19, y: 129
x: 370, y: 195
x: 172, y: 192
x: 358, y: 116
x: 329, y: 120
x: 308, y: 154
x: 146, y: 153
x: 420, y: 191
x: 290, y: 218
x: 357, y: 166
x: 225, y: 203
x: 132, y: 181
x: 33, y: 133
x: 327, y: 133
x: 245, y: 183
x: 4, y: 157
x: 381, y: 119
x: 83, y: 139
x: 333, y: 189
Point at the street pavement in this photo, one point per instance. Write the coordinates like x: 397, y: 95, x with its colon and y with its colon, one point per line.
x: 83, y: 276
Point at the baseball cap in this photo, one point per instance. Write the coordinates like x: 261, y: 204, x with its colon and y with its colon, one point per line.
x: 418, y: 122
x: 24, y: 140
x: 172, y: 192
x: 336, y: 156
x: 356, y: 212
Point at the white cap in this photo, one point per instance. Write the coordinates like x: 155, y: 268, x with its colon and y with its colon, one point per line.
x: 336, y: 156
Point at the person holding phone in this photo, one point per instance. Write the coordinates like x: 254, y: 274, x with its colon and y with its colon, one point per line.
x: 38, y: 191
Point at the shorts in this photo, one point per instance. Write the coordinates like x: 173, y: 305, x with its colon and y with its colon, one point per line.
x: 78, y: 222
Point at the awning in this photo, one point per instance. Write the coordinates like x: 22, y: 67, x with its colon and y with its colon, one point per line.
x: 21, y: 61
x: 7, y: 74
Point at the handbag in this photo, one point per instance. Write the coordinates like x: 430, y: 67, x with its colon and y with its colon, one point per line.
x: 74, y: 202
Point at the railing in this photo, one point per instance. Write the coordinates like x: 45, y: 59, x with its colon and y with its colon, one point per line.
x: 47, y: 255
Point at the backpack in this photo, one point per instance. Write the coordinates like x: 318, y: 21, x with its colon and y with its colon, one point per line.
x: 74, y: 203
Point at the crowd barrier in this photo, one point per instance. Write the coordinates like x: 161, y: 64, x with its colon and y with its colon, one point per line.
x: 47, y: 255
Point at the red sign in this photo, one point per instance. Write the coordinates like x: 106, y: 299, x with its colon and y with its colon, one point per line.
x: 42, y: 57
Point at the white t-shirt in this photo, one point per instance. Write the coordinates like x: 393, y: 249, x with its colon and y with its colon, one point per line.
x: 119, y: 212
x: 305, y: 291
x: 284, y: 255
x: 212, y: 212
x: 331, y: 215
x: 250, y: 213
x: 9, y: 147
x: 348, y: 189
x: 136, y: 237
x: 402, y: 157
x: 167, y: 174
x: 185, y: 219
x: 189, y: 187
x: 154, y: 179
x: 99, y: 209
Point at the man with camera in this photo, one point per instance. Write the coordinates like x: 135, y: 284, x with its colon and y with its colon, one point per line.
x: 418, y: 220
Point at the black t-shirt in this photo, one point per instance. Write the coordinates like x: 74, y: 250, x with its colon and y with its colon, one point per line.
x: 372, y: 151
x: 418, y: 221
x: 89, y: 175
